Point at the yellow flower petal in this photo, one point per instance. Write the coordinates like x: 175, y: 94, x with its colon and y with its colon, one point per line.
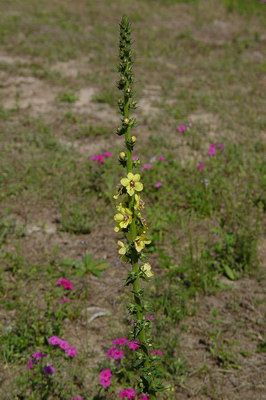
x: 130, y: 176
x: 130, y: 190
x: 125, y: 181
x: 136, y: 177
x: 146, y: 268
x: 119, y: 217
x: 138, y: 186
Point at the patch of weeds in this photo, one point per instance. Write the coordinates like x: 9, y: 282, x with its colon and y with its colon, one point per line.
x: 236, y: 240
x: 7, y: 226
x: 261, y: 347
x: 4, y: 114
x: 182, y: 283
x: 67, y: 97
x: 106, y: 97
x: 221, y: 349
x: 87, y: 265
x: 88, y: 131
x: 30, y: 329
x: 244, y: 6
x: 75, y: 219
x: 14, y: 262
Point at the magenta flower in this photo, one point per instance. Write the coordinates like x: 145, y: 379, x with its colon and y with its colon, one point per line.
x: 105, y: 378
x: 115, y: 353
x: 120, y: 341
x: 64, y: 345
x: 150, y: 317
x: 107, y: 154
x: 220, y: 146
x: 162, y: 158
x: 182, y: 128
x: 158, y: 185
x: 38, y: 355
x: 144, y: 397
x: 71, y: 352
x: 147, y: 166
x: 99, y: 158
x: 133, y: 345
x: 128, y: 394
x: 30, y: 364
x: 54, y: 341
x: 49, y: 370
x: 212, y: 150
x: 65, y: 283
x: 201, y: 166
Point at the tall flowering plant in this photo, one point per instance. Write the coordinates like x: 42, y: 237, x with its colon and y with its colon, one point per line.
x: 134, y: 361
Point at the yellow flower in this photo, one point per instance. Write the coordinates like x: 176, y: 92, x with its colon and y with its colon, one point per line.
x: 123, y: 248
x: 124, y: 217
x: 146, y: 269
x: 132, y: 183
x: 140, y: 242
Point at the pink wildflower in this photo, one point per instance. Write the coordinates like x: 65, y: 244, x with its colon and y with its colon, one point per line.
x: 115, y: 353
x: 30, y: 364
x: 220, y: 146
x: 201, y: 166
x: 99, y: 158
x: 144, y: 397
x: 135, y: 157
x: 77, y: 398
x: 147, y: 166
x: 105, y: 378
x: 38, y: 355
x: 120, y: 341
x: 65, y: 283
x: 54, y: 340
x: 107, y: 154
x: 64, y: 345
x: 48, y: 370
x: 182, y: 128
x: 71, y: 352
x: 158, y: 185
x: 150, y: 317
x: 128, y: 394
x: 212, y: 150
x: 162, y: 158
x: 133, y: 345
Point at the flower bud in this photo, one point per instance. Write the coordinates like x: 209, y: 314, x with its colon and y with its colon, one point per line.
x: 133, y: 139
x: 122, y: 155
x: 126, y: 121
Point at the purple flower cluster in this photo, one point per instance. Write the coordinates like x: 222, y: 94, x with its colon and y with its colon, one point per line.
x: 35, y: 358
x: 116, y: 353
x: 128, y: 394
x: 105, y: 378
x: 100, y: 158
x: 65, y: 284
x: 64, y: 345
x: 49, y: 369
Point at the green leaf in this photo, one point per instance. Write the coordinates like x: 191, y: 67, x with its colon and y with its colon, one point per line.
x: 229, y: 273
